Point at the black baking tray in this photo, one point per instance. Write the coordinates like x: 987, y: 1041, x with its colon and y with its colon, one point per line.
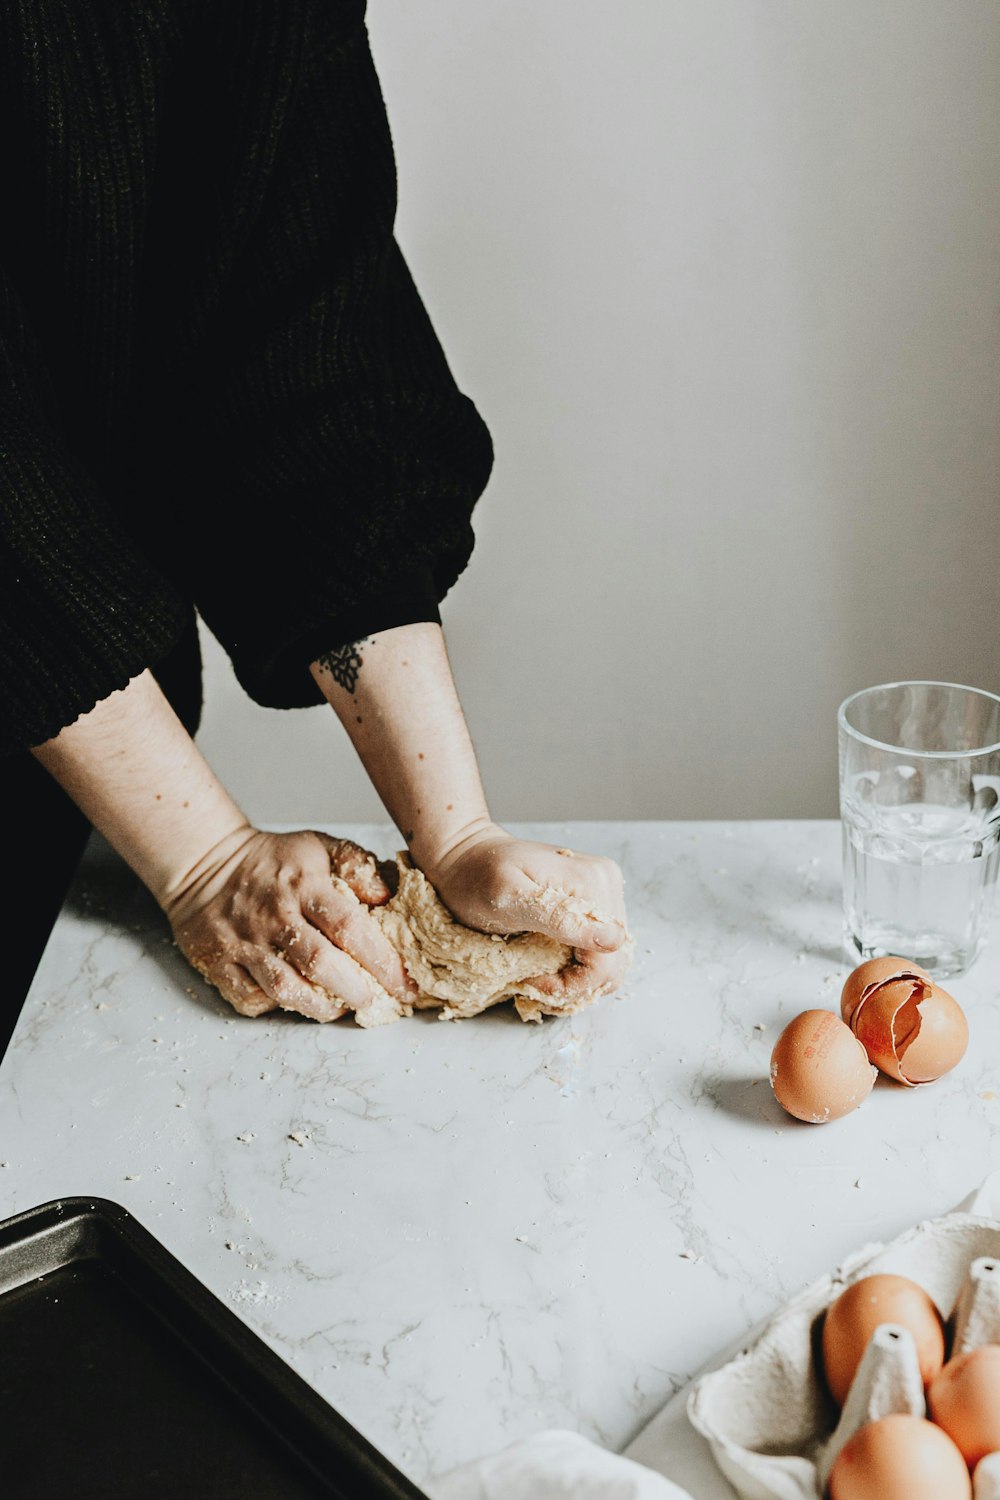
x: 122, y: 1375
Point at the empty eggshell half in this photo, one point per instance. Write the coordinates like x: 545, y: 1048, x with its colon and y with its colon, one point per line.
x: 869, y: 975
x: 912, y: 1030
x: 819, y: 1069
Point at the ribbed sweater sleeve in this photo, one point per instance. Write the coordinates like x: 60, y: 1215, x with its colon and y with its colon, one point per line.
x: 338, y: 449
x: 219, y: 386
x: 82, y: 610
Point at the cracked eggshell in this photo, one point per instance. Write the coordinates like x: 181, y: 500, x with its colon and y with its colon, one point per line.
x: 819, y: 1070
x: 912, y: 1030
x: 766, y: 1414
x: 869, y: 975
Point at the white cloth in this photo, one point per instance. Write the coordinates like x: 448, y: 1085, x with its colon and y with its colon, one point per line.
x: 554, y: 1465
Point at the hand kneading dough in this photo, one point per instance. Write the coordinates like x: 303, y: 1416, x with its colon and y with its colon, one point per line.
x: 463, y: 971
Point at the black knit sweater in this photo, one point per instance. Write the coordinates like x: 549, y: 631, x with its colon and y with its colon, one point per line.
x: 218, y: 385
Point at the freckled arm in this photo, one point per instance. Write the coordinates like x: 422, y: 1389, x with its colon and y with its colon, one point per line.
x: 255, y: 913
x: 395, y: 695
x: 133, y: 769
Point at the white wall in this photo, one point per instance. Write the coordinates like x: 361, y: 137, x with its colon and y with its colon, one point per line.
x: 723, y: 276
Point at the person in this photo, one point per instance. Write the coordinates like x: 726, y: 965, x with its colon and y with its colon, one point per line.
x: 222, y: 396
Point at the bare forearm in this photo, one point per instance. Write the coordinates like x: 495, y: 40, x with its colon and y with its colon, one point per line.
x: 396, y: 697
x: 133, y: 769
x: 256, y: 913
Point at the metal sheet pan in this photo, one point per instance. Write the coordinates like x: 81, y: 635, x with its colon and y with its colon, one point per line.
x: 122, y: 1375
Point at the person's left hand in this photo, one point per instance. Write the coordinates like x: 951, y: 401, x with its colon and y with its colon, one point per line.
x: 497, y: 883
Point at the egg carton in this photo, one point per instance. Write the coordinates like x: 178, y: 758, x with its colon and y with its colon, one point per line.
x: 773, y: 1428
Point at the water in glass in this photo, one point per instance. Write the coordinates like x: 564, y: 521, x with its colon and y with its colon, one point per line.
x: 919, y: 877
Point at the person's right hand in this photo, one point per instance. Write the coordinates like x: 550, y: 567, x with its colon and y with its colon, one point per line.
x: 263, y: 922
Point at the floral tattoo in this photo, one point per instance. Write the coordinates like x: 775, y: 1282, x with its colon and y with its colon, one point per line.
x: 344, y: 664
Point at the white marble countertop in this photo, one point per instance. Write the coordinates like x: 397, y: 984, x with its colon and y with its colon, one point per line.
x: 491, y: 1227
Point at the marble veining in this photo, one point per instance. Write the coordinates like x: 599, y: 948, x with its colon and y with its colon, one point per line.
x: 460, y: 1233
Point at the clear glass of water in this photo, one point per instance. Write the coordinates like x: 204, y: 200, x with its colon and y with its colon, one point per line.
x: 920, y: 818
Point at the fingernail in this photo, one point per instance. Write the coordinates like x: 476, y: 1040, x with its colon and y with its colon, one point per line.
x: 610, y: 938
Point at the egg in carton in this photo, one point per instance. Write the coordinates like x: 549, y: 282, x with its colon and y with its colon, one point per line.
x: 772, y: 1426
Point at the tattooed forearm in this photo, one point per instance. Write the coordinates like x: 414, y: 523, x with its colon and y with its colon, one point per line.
x: 343, y: 664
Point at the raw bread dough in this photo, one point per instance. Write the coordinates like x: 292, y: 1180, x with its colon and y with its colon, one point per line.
x: 463, y: 971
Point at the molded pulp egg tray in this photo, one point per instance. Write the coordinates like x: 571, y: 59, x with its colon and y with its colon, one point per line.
x: 771, y: 1425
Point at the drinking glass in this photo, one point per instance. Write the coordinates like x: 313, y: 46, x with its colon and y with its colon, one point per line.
x: 920, y: 820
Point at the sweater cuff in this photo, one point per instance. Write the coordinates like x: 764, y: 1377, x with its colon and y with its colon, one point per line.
x: 411, y: 599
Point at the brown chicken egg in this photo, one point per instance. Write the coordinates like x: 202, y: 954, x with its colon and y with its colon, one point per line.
x: 819, y: 1070
x: 854, y: 1316
x: 900, y: 1458
x: 912, y: 1030
x: 869, y: 975
x: 964, y: 1400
